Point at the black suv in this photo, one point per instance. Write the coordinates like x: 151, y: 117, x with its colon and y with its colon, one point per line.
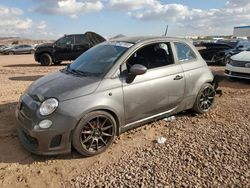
x: 67, y: 48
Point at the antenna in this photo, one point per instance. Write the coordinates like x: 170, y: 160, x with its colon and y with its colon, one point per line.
x: 166, y: 31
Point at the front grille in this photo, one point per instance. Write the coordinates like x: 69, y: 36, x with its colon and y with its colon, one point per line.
x: 245, y: 75
x: 239, y: 63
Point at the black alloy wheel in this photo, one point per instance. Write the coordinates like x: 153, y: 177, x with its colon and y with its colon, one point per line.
x: 95, y: 133
x: 205, y: 99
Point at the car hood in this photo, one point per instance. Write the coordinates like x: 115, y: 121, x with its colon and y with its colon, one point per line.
x: 243, y: 56
x: 63, y: 86
x: 44, y: 45
x: 216, y: 45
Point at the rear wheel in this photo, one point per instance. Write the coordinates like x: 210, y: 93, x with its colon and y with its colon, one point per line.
x: 204, y: 99
x: 11, y: 53
x: 32, y: 51
x: 45, y: 59
x: 94, y: 133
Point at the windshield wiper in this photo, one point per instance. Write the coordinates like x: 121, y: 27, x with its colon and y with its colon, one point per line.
x: 79, y: 72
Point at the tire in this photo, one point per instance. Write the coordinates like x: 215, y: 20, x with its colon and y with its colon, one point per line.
x: 45, y: 59
x: 205, y: 99
x: 94, y: 133
x: 57, y: 62
x: 32, y: 51
x: 11, y: 53
x: 227, y: 59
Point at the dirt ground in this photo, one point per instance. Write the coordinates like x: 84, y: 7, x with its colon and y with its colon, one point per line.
x: 210, y: 150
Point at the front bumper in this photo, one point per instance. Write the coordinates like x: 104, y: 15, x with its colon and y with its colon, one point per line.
x: 237, y: 72
x: 52, y: 141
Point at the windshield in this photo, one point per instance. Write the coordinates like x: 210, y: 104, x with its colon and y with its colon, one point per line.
x: 98, y: 60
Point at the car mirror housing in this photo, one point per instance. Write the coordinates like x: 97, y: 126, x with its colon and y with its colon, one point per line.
x: 138, y: 69
x: 135, y: 70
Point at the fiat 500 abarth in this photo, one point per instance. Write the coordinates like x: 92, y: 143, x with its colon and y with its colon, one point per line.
x: 114, y: 86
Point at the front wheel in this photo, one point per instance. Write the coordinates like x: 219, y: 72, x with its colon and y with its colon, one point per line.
x: 204, y: 99
x: 94, y: 133
x: 45, y: 59
x: 11, y: 53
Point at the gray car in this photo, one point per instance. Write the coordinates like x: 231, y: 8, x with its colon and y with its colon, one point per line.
x: 112, y: 87
x: 19, y: 49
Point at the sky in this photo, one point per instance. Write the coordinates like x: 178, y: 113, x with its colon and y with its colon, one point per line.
x: 50, y: 19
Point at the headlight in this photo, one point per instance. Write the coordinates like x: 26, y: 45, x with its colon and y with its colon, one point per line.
x: 48, y: 106
x: 230, y: 61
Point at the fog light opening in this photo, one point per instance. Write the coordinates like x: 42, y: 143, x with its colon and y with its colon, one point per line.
x: 45, y: 124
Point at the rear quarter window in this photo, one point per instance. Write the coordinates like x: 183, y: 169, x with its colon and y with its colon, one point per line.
x: 184, y: 52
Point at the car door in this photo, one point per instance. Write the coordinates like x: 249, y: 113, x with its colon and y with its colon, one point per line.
x: 157, y: 91
x: 193, y: 70
x: 18, y: 49
x: 63, y: 49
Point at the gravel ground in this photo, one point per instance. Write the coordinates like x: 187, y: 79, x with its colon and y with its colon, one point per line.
x: 210, y: 150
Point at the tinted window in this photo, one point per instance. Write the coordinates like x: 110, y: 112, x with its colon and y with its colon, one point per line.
x: 184, y: 52
x: 67, y: 40
x: 152, y: 56
x: 80, y: 39
x: 97, y: 60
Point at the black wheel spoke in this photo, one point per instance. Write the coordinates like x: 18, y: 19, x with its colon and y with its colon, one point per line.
x: 86, y: 132
x: 106, y: 134
x: 107, y: 127
x: 103, y: 123
x: 91, y: 126
x: 87, y: 139
x: 91, y: 144
x: 103, y: 141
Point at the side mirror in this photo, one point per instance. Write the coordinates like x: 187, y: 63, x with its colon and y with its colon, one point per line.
x: 138, y: 69
x: 135, y: 70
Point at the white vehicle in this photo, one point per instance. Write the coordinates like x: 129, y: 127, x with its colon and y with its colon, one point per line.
x: 239, y: 65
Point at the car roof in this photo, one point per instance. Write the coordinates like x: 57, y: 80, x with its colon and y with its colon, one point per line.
x: 138, y: 39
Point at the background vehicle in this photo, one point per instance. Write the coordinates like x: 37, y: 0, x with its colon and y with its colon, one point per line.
x: 112, y: 87
x: 2, y: 47
x: 239, y: 65
x: 67, y: 48
x: 19, y: 49
x: 221, y: 51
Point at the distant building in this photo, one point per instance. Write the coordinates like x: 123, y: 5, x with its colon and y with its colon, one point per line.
x: 242, y: 31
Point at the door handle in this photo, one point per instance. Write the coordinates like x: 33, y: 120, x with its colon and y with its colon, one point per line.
x: 178, y: 77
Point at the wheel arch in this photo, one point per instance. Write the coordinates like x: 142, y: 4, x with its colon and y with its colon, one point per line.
x: 45, y: 52
x: 108, y: 110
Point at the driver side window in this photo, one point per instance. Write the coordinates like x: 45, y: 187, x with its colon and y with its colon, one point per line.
x: 152, y: 56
